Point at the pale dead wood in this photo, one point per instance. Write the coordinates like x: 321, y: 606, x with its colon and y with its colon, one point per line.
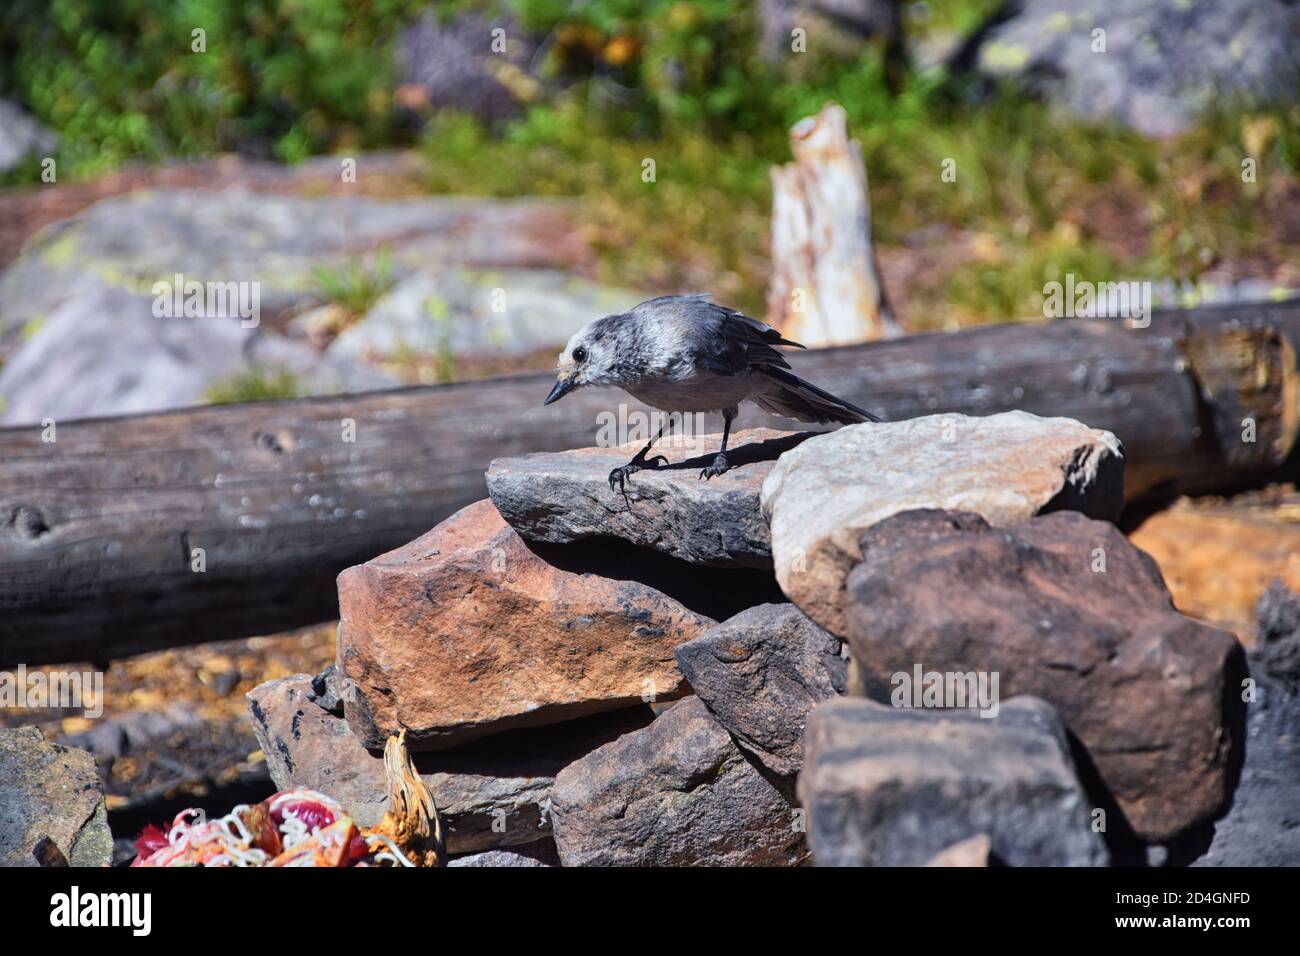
x: 825, y: 287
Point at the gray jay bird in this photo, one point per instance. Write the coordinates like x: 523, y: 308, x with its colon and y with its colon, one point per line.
x: 685, y: 353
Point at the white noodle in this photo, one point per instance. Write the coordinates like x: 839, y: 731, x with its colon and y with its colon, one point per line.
x: 294, y: 830
x: 397, y: 855
x: 306, y: 795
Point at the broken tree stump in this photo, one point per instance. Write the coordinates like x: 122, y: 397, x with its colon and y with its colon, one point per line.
x: 826, y: 287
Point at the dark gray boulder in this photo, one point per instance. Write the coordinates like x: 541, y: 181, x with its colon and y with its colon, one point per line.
x: 451, y: 61
x: 1263, y: 826
x: 760, y: 673
x: 678, y: 793
x: 886, y: 786
x: 1065, y: 608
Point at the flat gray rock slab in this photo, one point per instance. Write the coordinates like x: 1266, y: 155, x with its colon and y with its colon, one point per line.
x: 79, y: 335
x: 561, y: 497
x: 47, y: 790
x: 885, y: 786
x: 104, y: 352
x: 760, y: 673
x: 460, y: 312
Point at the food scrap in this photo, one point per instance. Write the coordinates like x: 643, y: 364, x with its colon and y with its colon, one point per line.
x: 305, y: 828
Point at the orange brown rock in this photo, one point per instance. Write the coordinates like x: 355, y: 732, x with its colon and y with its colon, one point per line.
x: 1217, y: 556
x: 469, y: 631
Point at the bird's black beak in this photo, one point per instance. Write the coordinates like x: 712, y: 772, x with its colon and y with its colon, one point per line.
x: 563, y: 386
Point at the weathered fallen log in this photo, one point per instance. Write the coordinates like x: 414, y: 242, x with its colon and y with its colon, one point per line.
x: 128, y: 534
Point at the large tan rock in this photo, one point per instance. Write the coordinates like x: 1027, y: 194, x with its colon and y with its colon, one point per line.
x: 823, y: 494
x: 468, y: 631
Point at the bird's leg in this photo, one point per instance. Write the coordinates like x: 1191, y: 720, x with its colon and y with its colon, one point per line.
x: 720, y: 465
x: 619, y: 476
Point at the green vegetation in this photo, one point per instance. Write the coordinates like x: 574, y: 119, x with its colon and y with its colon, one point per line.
x: 254, y: 384
x: 123, y: 80
x: 1034, y: 196
x: 355, y: 285
x: 684, y: 85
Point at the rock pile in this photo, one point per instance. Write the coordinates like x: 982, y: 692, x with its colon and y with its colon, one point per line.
x: 976, y: 668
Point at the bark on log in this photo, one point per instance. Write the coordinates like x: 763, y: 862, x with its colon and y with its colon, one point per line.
x: 98, y: 529
x: 825, y: 287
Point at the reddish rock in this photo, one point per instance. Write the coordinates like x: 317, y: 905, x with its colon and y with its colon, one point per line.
x: 469, y: 631
x: 1064, y: 608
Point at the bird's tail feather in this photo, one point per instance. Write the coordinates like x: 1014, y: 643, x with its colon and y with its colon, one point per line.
x: 790, y: 396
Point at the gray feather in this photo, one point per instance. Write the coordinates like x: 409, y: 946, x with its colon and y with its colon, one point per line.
x: 788, y: 395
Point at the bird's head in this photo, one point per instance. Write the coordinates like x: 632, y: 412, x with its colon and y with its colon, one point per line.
x: 590, y: 358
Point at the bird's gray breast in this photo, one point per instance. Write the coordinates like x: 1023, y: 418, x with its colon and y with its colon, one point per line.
x: 702, y: 392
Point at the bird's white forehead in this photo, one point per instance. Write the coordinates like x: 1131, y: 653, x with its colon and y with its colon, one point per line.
x: 565, y: 360
x: 578, y: 338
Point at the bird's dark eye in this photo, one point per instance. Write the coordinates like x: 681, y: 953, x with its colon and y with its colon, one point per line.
x: 580, y: 354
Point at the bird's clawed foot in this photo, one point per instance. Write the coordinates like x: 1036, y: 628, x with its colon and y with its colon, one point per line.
x: 718, y: 467
x: 619, y: 476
